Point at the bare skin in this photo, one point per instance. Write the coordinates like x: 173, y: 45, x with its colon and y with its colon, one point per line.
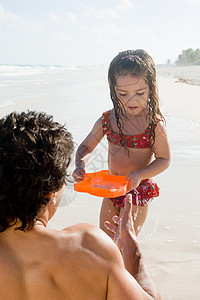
x: 78, y: 262
x: 140, y: 164
x: 108, y: 210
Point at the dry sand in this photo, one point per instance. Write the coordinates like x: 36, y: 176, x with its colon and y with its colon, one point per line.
x: 171, y: 235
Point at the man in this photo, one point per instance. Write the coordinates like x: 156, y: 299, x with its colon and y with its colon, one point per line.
x: 78, y: 262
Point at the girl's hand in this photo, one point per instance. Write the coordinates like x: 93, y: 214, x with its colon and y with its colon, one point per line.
x: 135, y: 178
x: 78, y: 174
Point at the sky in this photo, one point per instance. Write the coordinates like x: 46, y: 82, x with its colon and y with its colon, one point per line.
x: 91, y: 32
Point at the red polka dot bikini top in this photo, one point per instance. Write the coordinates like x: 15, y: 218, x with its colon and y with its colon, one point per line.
x: 142, y: 140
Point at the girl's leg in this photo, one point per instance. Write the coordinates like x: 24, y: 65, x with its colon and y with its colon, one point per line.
x: 139, y: 214
x: 108, y: 210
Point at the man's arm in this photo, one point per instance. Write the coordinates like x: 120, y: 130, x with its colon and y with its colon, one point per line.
x: 125, y: 238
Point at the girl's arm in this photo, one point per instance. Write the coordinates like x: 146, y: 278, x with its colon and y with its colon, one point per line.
x: 161, y: 162
x: 86, y: 148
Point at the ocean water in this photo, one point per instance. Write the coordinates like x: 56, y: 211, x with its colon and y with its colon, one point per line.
x: 19, y: 81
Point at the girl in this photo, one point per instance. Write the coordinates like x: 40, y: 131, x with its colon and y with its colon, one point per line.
x: 137, y: 141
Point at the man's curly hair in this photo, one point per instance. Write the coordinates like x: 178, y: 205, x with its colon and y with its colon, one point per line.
x: 35, y: 153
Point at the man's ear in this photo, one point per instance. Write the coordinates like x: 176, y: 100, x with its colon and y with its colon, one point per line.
x: 53, y: 199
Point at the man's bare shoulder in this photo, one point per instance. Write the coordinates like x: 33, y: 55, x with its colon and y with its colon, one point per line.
x: 93, y: 240
x: 89, y: 254
x: 101, y: 260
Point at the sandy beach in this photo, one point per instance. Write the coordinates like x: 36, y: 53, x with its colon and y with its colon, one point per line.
x: 170, y: 239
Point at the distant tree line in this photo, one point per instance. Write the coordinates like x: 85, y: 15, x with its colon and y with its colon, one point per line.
x: 189, y: 57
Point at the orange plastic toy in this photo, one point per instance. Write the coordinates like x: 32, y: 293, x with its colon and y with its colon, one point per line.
x: 102, y: 184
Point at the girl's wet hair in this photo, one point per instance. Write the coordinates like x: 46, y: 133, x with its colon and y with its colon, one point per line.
x: 138, y: 63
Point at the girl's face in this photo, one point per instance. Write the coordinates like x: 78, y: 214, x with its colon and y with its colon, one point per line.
x: 133, y: 92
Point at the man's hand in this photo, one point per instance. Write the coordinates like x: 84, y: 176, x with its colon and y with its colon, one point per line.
x: 125, y: 227
x: 123, y: 235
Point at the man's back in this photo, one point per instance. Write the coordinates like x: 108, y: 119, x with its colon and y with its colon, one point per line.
x: 48, y: 264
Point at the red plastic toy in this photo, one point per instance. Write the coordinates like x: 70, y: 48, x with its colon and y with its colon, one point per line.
x: 102, y: 184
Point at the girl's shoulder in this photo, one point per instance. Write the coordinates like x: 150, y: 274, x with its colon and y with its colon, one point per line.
x: 106, y: 114
x: 160, y: 125
x: 159, y: 119
x: 106, y: 117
